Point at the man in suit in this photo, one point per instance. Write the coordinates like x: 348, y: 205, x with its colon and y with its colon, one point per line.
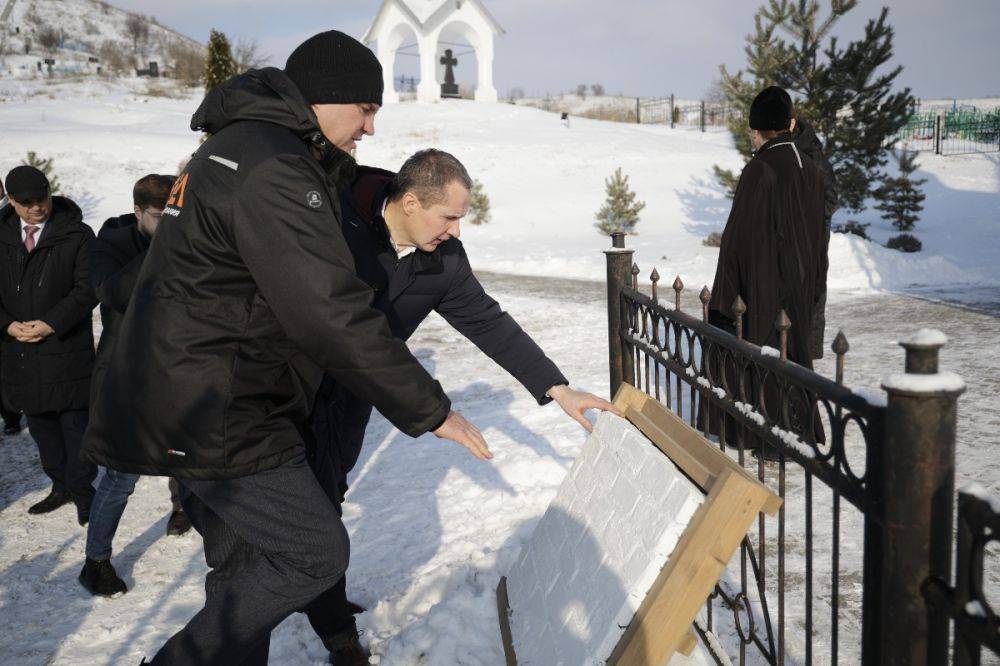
x: 48, y: 348
x: 403, y: 232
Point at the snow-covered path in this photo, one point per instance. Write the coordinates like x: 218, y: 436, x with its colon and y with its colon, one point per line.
x: 432, y: 528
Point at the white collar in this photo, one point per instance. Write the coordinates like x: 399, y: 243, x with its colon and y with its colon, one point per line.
x: 400, y: 251
x: 25, y: 225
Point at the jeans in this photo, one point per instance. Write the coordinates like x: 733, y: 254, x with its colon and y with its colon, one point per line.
x: 107, y: 509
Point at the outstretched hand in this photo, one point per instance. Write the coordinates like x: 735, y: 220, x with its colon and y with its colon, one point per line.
x: 458, y: 429
x: 575, y: 403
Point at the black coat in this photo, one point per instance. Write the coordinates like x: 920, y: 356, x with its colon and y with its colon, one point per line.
x: 774, y: 248
x: 407, y: 290
x: 50, y: 284
x: 246, y: 297
x: 115, y: 259
x: 810, y: 146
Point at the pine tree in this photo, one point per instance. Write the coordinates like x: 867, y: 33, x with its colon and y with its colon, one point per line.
x: 842, y: 92
x: 219, y: 64
x: 45, y: 166
x: 620, y: 211
x: 898, y: 198
x: 479, y: 205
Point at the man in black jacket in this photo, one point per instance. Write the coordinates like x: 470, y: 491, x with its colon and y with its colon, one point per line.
x: 48, y: 345
x: 403, y: 232
x: 115, y: 259
x: 11, y: 418
x: 246, y: 298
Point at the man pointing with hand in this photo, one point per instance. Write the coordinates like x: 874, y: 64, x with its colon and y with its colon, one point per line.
x: 247, y: 298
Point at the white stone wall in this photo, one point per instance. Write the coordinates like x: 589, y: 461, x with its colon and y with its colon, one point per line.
x: 598, y: 548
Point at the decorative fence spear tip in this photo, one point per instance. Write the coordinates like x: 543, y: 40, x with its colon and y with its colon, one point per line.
x: 739, y: 307
x: 678, y: 284
x: 783, y: 324
x: 705, y: 296
x: 654, y: 277
x: 840, y: 345
x: 635, y: 276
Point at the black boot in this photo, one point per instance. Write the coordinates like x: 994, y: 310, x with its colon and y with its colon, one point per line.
x: 346, y: 649
x: 178, y: 523
x: 53, y: 501
x: 12, y: 429
x: 100, y: 578
x: 83, y: 510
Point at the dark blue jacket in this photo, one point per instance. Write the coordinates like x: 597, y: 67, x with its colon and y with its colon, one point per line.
x: 407, y: 290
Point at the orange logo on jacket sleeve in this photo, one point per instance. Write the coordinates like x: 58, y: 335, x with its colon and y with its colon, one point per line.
x: 176, y: 197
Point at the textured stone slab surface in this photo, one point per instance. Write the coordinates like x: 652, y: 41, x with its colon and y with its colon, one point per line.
x: 598, y: 548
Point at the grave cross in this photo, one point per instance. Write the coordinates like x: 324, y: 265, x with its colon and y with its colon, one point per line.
x: 448, y: 88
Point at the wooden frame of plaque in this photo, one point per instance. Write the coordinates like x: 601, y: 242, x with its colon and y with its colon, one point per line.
x: 663, y: 624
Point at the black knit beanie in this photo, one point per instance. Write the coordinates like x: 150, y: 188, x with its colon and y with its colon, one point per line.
x: 334, y: 68
x: 771, y: 110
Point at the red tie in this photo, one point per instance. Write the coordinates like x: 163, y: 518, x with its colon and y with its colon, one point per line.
x: 29, y: 240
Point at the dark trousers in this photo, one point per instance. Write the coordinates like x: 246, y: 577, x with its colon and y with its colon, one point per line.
x: 59, y: 436
x: 337, y: 426
x: 274, y: 542
x: 9, y: 416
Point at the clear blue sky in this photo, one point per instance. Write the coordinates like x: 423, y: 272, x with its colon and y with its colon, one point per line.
x: 640, y: 47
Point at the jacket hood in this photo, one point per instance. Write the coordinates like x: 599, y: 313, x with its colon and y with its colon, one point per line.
x: 806, y: 141
x: 66, y: 219
x: 265, y: 95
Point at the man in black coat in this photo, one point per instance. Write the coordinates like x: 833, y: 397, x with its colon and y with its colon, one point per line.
x: 403, y: 232
x: 774, y: 252
x: 246, y: 298
x: 48, y: 345
x: 115, y: 259
x: 11, y: 418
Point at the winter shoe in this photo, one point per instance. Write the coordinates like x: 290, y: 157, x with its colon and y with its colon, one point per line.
x: 101, y: 579
x: 83, y: 511
x: 12, y: 429
x: 355, y: 609
x: 53, y: 501
x: 346, y: 649
x: 178, y: 523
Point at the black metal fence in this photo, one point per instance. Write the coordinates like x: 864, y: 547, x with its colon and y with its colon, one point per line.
x: 976, y: 621
x: 665, y: 111
x: 951, y: 133
x: 868, y: 481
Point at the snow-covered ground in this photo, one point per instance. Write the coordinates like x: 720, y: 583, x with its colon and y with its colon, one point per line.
x: 545, y: 181
x: 432, y: 528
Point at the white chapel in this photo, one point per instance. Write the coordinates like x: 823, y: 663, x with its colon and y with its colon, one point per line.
x: 424, y: 22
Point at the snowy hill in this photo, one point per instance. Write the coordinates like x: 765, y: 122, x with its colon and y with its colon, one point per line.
x: 545, y: 182
x: 82, y: 35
